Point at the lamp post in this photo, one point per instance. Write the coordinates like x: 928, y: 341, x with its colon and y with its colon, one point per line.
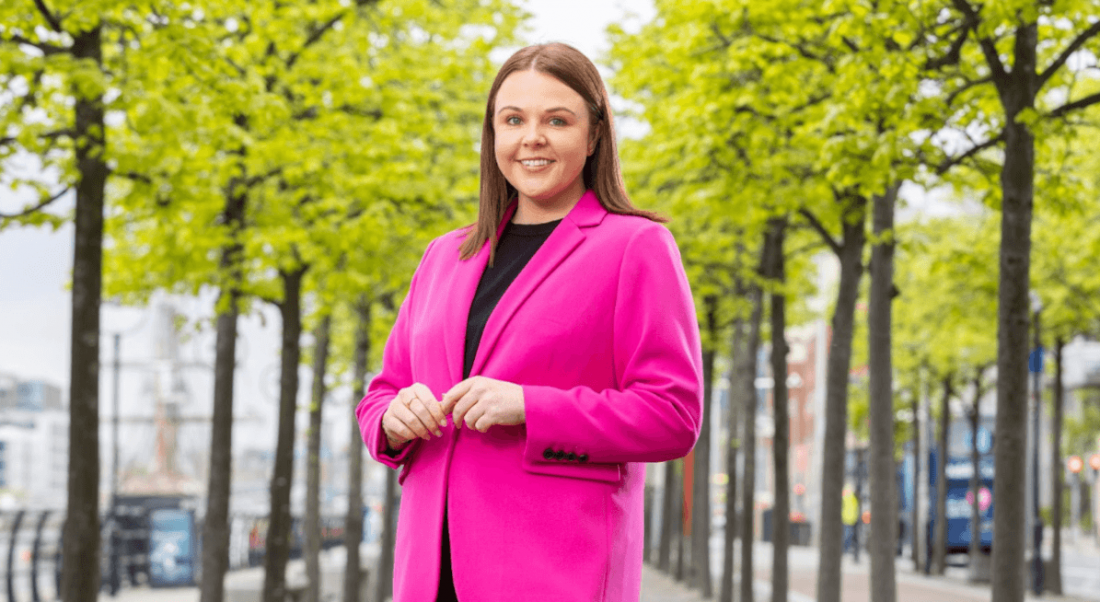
x: 113, y: 572
x: 1036, y: 366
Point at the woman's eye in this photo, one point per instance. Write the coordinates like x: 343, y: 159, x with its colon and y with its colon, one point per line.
x: 513, y: 120
x: 557, y: 121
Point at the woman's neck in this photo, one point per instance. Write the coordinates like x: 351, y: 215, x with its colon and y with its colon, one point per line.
x: 531, y: 211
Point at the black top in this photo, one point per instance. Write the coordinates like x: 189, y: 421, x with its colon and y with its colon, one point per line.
x: 516, y: 247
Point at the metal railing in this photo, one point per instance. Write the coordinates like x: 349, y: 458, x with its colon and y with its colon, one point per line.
x: 31, y: 544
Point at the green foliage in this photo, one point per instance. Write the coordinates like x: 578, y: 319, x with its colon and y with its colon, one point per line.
x: 1082, y: 432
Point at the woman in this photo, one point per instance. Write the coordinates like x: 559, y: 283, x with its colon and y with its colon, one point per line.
x: 572, y: 311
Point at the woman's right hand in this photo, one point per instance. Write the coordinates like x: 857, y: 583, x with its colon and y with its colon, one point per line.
x: 414, y: 412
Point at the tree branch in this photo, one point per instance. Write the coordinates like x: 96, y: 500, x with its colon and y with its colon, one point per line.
x: 1074, y: 46
x: 1080, y: 103
x: 953, y: 53
x: 313, y: 39
x: 53, y: 21
x: 801, y: 49
x: 968, y: 85
x: 47, y: 49
x: 988, y: 48
x: 320, y: 31
x: 257, y: 179
x: 820, y: 229
x: 41, y: 205
x: 46, y: 136
x: 950, y: 162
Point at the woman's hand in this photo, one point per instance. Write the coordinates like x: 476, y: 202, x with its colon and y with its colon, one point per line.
x: 481, y: 402
x: 413, y: 413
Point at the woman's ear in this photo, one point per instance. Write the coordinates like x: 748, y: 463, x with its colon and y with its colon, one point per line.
x: 593, y: 138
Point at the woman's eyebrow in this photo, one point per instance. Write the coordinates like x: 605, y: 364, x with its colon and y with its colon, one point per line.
x: 554, y: 110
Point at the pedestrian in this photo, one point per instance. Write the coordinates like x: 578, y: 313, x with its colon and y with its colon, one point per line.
x: 850, y: 518
x: 541, y: 357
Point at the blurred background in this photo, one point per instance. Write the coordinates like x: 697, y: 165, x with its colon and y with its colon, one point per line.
x: 210, y: 212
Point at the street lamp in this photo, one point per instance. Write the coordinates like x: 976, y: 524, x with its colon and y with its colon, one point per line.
x: 1036, y: 366
x: 112, y: 543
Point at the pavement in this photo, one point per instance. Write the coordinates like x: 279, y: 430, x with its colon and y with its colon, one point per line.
x: 659, y: 587
x: 855, y: 584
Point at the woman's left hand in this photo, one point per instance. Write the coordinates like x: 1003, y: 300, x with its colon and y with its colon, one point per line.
x: 481, y: 402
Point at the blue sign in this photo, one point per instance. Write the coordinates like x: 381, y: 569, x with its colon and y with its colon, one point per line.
x: 985, y: 440
x: 171, y: 547
x: 1035, y: 361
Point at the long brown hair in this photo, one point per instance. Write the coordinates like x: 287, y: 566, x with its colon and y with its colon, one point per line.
x: 601, y: 171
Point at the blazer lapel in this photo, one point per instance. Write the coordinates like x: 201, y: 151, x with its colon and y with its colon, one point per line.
x: 465, y: 278
x: 561, y: 242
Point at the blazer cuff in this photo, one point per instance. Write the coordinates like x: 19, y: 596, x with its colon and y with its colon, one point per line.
x: 541, y: 448
x: 379, y: 453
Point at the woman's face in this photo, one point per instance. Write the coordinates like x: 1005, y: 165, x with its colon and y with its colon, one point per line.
x: 543, y: 137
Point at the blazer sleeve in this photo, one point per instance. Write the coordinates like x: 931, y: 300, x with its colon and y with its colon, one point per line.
x: 395, y: 375
x: 655, y: 412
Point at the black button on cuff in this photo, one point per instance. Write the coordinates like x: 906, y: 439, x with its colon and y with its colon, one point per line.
x: 570, y: 456
x: 548, y: 453
x: 559, y: 455
x: 582, y: 458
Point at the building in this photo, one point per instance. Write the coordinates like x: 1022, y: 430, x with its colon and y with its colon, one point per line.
x: 34, y: 444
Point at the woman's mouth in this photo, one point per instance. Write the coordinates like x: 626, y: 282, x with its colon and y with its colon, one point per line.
x: 535, y: 162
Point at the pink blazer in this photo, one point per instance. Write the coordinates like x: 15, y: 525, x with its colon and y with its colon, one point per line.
x: 600, y: 330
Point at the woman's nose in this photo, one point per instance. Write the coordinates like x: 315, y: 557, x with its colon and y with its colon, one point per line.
x: 533, y: 135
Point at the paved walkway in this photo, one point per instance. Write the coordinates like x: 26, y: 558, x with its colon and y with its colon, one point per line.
x: 659, y: 587
x: 912, y: 587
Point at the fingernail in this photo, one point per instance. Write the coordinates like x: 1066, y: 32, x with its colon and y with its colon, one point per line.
x: 438, y: 433
x: 444, y: 423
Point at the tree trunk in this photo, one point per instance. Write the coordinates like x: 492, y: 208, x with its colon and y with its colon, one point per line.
x: 781, y: 511
x: 664, y: 550
x: 353, y: 532
x: 279, y: 528
x: 701, y: 480
x: 883, y: 471
x: 311, y: 526
x: 215, y: 528
x: 1017, y: 93
x: 737, y: 353
x: 916, y: 530
x: 836, y: 404
x: 1054, y: 578
x: 939, y: 544
x: 678, y: 523
x: 747, y: 383
x: 383, y: 585
x: 81, y: 530
x: 975, y: 481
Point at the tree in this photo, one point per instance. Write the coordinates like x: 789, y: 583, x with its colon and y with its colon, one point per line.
x: 884, y: 521
x: 312, y: 519
x: 1067, y: 185
x: 353, y: 522
x: 700, y: 528
x: 947, y: 260
x: 992, y: 66
x: 775, y: 271
x: 57, y: 63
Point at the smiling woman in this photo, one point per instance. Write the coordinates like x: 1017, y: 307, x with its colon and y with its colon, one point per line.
x: 559, y: 334
x: 544, y: 137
